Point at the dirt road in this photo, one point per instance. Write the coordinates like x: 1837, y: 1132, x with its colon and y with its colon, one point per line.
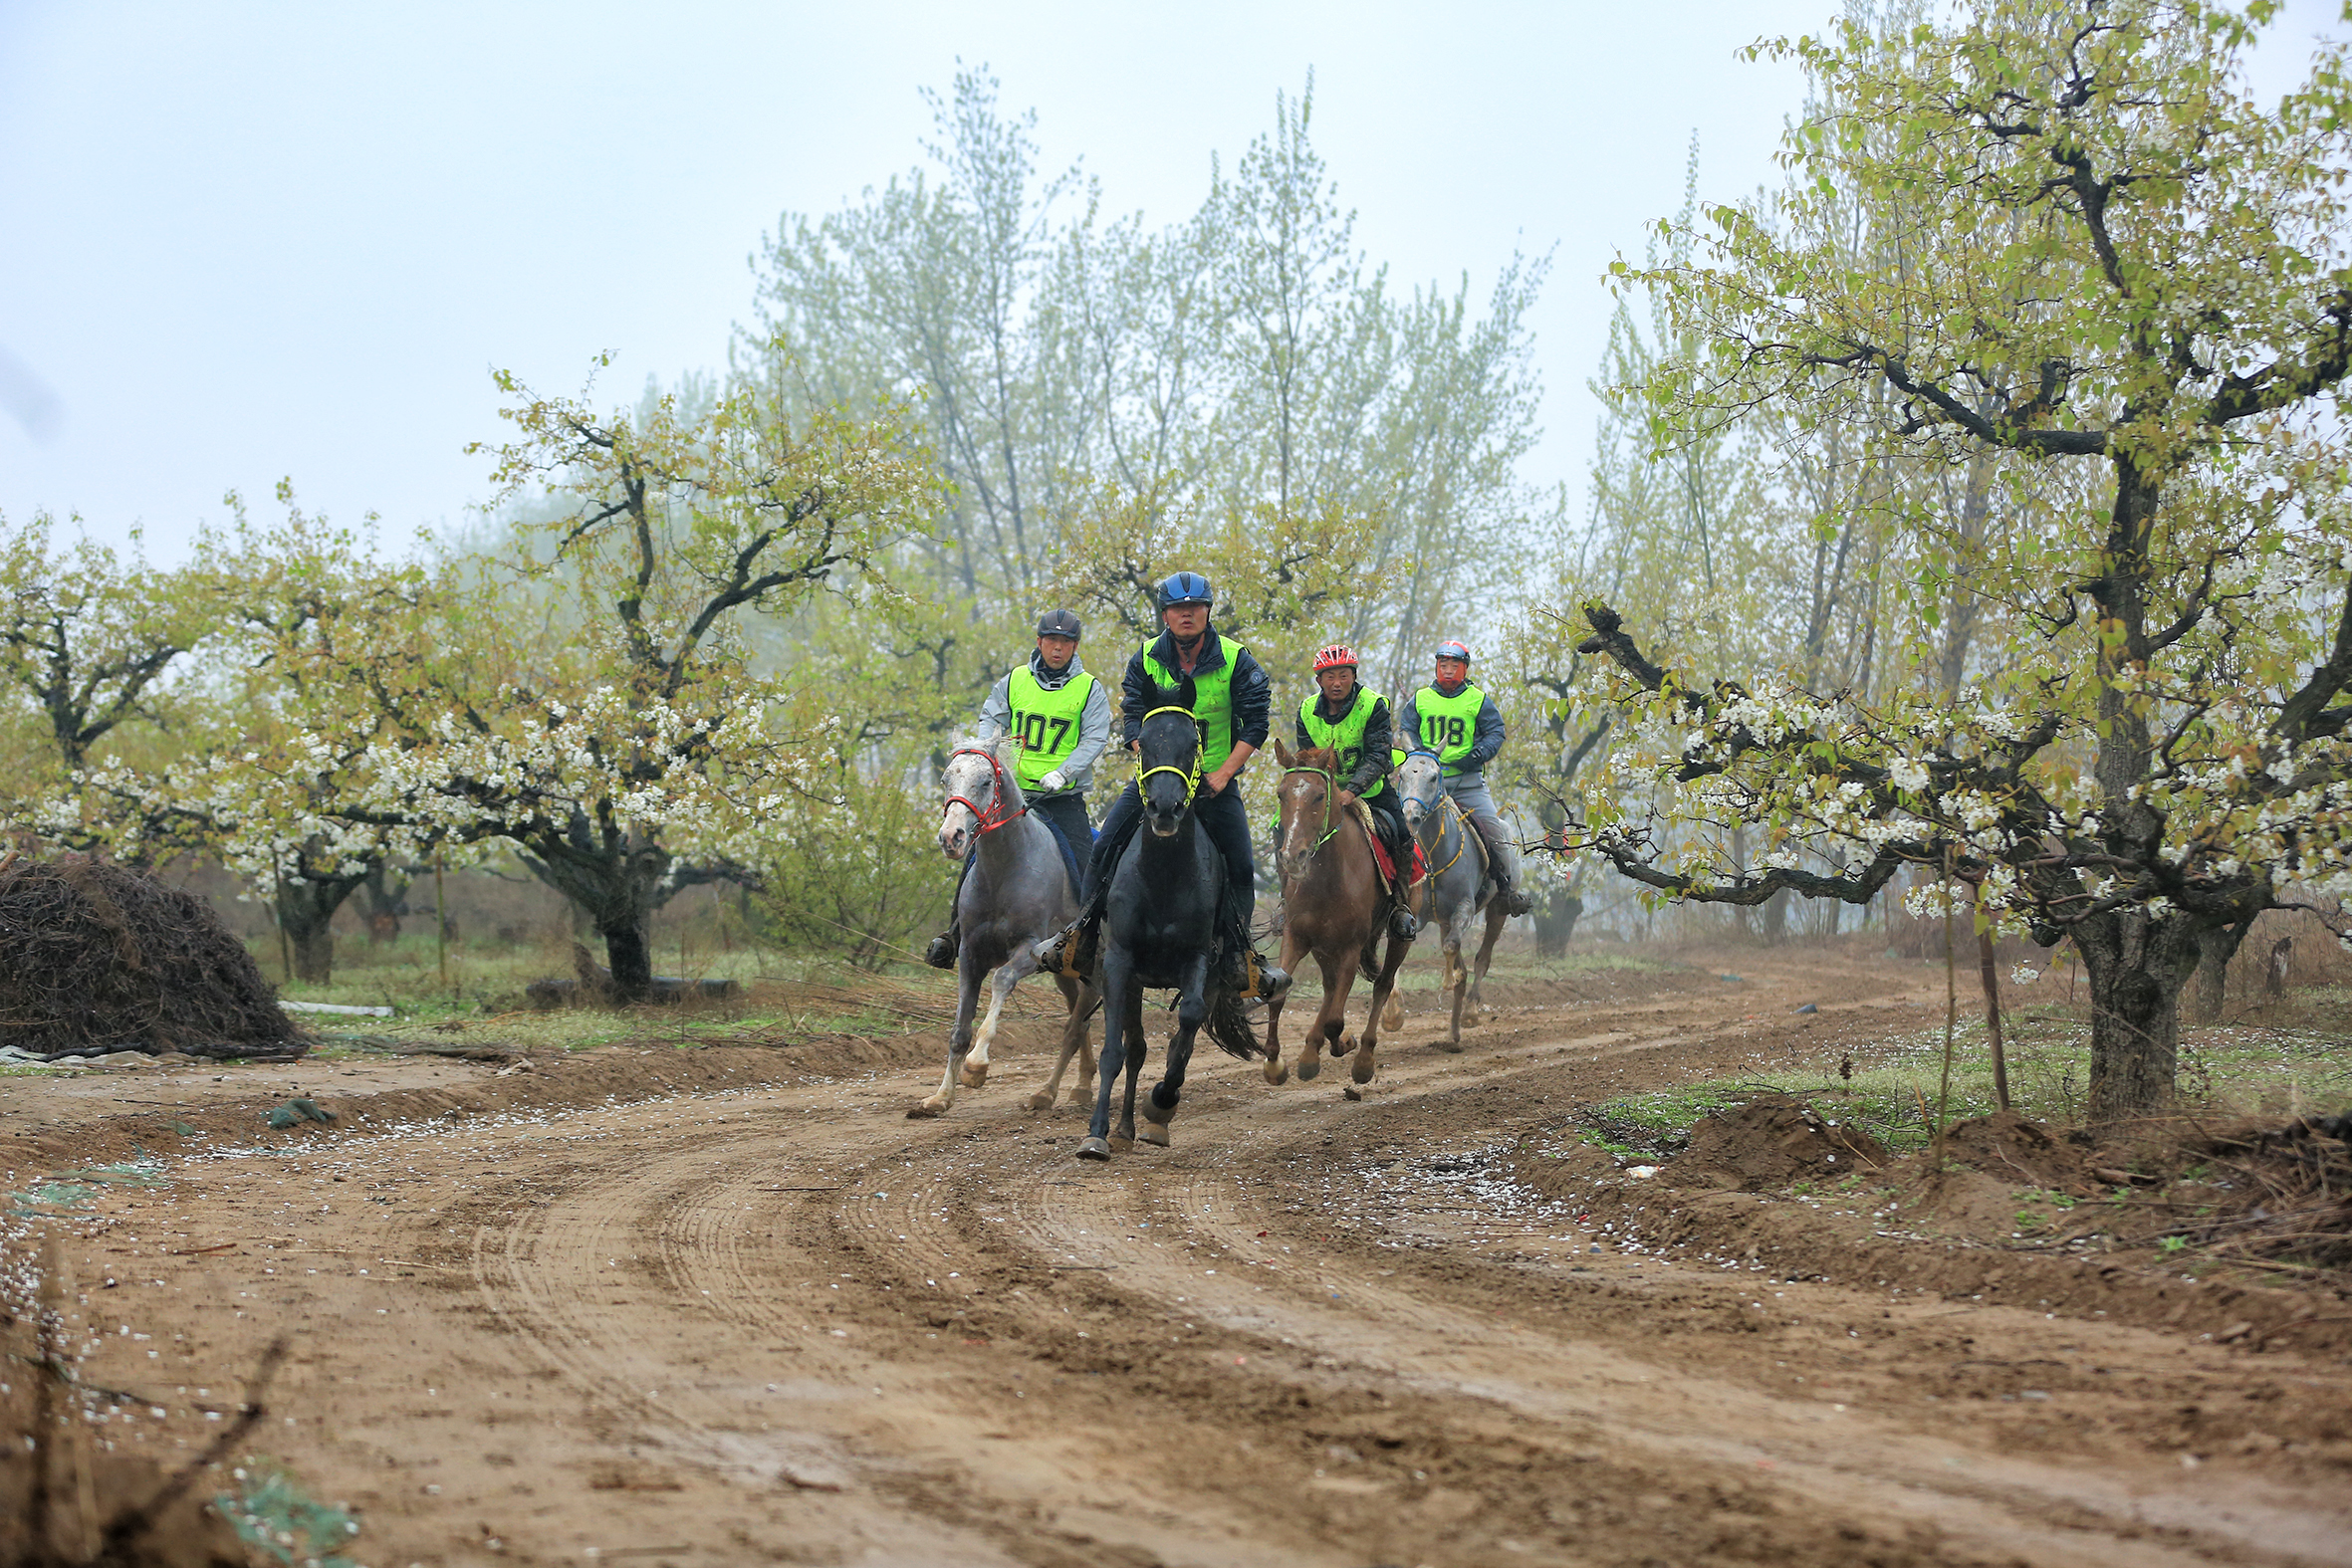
x: 750, y: 1313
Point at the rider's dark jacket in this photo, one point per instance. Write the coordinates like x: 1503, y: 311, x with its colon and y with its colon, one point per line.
x: 1380, y: 738
x: 1253, y: 693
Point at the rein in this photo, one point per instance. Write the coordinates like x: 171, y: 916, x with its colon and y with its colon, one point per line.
x: 1191, y: 776
x: 1452, y: 815
x: 1330, y: 780
x: 988, y: 823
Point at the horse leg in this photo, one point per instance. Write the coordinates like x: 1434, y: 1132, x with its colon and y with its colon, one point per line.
x: 1336, y: 972
x: 1192, y: 1008
x: 959, y: 1039
x: 1293, y: 950
x: 1119, y: 991
x: 1350, y: 966
x: 1134, y: 1061
x: 1497, y: 918
x: 1383, y: 996
x: 1011, y: 973
x: 1457, y: 921
x: 1074, y: 1043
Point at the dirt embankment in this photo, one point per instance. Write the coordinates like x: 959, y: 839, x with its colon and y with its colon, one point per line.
x: 730, y: 1306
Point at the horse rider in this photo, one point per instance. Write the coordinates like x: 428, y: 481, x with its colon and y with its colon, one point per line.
x: 1464, y: 727
x: 1061, y: 716
x: 1233, y: 702
x: 1343, y: 717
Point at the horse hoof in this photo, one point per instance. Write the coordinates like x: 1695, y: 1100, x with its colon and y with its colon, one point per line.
x: 1275, y: 1073
x: 1450, y: 1048
x: 1308, y: 1068
x: 1095, y: 1149
x: 1362, y: 1071
x: 1155, y: 1134
x: 1041, y: 1101
x: 926, y: 1110
x: 1343, y: 1045
x: 975, y: 1077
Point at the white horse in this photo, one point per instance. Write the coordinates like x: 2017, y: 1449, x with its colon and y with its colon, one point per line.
x: 1016, y: 894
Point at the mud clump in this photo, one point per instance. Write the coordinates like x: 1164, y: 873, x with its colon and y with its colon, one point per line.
x: 2025, y: 1153
x: 1769, y: 1142
x: 101, y: 958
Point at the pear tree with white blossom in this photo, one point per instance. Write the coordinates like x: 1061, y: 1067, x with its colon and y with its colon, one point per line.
x: 597, y: 705
x: 2117, y: 275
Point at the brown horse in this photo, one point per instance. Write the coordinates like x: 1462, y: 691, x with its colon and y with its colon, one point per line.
x: 1331, y: 907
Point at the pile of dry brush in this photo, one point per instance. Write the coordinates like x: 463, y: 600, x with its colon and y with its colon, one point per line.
x: 2294, y: 1191
x: 101, y: 958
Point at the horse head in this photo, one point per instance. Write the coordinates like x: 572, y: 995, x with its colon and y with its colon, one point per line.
x: 1308, y: 800
x: 981, y: 792
x: 1420, y: 782
x: 1168, y: 759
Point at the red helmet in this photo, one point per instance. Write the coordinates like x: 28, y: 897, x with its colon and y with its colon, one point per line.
x: 1451, y: 649
x: 1337, y: 656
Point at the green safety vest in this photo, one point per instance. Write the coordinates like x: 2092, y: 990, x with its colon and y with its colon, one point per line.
x: 1212, y: 700
x: 1449, y: 725
x: 1346, y: 737
x: 1045, y: 723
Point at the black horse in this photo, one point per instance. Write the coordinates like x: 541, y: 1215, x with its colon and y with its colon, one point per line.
x: 1162, y: 928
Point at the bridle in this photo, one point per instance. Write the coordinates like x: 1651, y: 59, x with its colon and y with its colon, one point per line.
x: 1330, y: 779
x: 987, y: 822
x: 1445, y: 802
x: 1191, y: 776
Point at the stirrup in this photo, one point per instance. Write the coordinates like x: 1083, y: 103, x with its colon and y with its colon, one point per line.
x: 1260, y: 980
x: 1069, y: 951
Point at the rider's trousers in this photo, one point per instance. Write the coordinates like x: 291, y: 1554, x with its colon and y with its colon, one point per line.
x: 1471, y: 794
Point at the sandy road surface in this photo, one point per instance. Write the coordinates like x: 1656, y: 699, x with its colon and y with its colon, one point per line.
x: 778, y: 1322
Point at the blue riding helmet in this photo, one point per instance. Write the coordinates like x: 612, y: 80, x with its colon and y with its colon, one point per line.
x: 1186, y: 588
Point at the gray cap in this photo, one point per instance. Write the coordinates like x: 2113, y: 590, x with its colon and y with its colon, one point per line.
x: 1059, y: 623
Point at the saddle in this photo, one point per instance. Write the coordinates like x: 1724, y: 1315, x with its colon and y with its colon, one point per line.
x: 1384, y: 861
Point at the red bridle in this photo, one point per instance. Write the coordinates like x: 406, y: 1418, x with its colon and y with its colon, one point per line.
x: 987, y: 823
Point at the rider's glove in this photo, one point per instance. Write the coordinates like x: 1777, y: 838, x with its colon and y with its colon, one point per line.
x: 1054, y: 783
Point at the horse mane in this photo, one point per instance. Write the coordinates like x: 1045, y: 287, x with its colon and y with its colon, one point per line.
x: 1323, y: 757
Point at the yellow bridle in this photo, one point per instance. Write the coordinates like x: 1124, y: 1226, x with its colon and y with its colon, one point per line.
x: 1192, y: 775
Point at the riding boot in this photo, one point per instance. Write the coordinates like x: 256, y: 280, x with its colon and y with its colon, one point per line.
x: 1514, y: 898
x: 1401, y: 923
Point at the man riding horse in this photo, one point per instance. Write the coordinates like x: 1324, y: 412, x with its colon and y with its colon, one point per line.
x: 1343, y: 717
x: 1061, y: 716
x: 1234, y: 703
x: 1463, y: 729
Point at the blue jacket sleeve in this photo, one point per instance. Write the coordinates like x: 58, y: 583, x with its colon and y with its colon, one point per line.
x: 1253, y: 701
x: 1486, y: 740
x: 1137, y: 697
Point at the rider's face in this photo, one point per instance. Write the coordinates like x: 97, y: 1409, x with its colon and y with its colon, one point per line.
x: 1337, y: 684
x: 1056, y: 652
x: 1186, y: 621
x: 1451, y: 672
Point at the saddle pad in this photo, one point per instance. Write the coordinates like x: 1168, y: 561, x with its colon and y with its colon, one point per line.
x: 1069, y: 855
x: 1381, y: 858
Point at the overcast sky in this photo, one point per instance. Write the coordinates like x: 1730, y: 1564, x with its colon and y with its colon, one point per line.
x: 245, y: 242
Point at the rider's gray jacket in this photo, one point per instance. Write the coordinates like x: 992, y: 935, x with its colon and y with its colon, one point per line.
x: 996, y: 715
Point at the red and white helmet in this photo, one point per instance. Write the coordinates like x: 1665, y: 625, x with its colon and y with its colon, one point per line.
x: 1336, y: 656
x: 1453, y: 648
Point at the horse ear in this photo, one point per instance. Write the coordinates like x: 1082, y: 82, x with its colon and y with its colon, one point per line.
x: 1281, y: 752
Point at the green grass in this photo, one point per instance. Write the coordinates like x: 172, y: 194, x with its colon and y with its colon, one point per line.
x: 2231, y: 1069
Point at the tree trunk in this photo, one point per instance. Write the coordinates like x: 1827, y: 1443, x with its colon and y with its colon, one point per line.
x: 2215, y: 948
x: 2137, y: 969
x: 306, y: 913
x: 628, y: 954
x: 1776, y: 918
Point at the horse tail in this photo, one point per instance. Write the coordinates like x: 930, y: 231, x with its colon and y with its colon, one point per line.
x: 1229, y: 1025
